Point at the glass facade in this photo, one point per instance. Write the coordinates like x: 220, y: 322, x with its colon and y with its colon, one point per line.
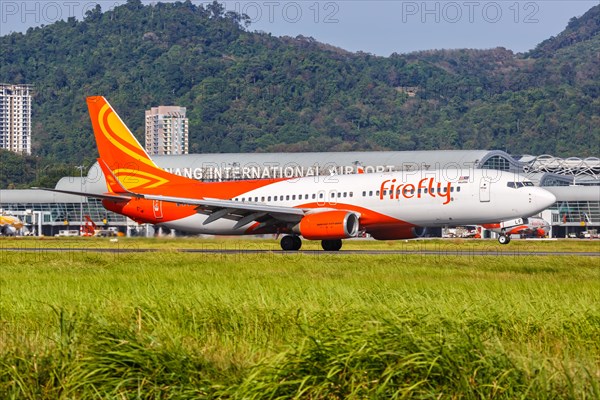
x: 554, y: 181
x: 61, y: 212
x: 497, y: 162
x: 581, y: 213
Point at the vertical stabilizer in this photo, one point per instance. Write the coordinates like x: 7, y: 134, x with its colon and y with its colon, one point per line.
x: 122, y: 154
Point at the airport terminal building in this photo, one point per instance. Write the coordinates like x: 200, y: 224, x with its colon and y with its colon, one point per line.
x: 575, y: 182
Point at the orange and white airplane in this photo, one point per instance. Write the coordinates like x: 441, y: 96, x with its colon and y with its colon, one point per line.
x: 532, y: 226
x: 9, y: 225
x: 394, y: 205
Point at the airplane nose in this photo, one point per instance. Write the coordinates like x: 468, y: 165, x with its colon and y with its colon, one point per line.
x: 544, y: 198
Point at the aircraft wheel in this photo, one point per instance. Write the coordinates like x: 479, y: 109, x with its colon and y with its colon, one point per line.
x: 503, y: 239
x: 331, y: 245
x: 297, y: 243
x: 290, y: 243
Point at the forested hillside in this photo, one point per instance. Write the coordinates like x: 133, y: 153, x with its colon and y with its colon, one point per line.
x: 248, y: 92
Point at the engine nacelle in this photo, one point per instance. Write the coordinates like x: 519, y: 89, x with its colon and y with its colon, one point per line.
x: 397, y: 233
x: 328, y: 225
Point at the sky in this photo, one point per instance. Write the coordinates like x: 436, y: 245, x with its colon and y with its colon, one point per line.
x: 377, y: 27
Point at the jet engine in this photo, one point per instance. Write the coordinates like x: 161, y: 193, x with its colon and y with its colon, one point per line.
x: 8, y: 230
x: 396, y: 233
x: 328, y: 225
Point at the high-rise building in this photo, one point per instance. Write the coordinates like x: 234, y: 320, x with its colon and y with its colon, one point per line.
x: 166, y: 130
x: 15, y: 118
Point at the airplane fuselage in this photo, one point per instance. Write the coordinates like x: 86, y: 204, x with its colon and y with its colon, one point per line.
x: 425, y: 199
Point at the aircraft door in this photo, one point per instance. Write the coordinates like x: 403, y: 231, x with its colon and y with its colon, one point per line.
x: 157, y: 208
x: 484, y: 190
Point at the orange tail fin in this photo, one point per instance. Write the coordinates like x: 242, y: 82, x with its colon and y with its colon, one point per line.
x: 122, y: 154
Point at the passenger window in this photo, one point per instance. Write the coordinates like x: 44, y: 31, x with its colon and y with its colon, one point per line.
x: 269, y: 198
x: 287, y: 197
x: 364, y: 194
x: 293, y: 197
x: 351, y: 194
x: 370, y: 193
x: 425, y: 190
x: 458, y: 188
x: 314, y: 196
x: 262, y: 199
x: 321, y: 196
x: 377, y: 193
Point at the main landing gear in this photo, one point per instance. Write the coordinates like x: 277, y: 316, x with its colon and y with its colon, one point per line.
x: 503, y: 239
x: 331, y: 245
x: 291, y: 243
x: 294, y: 243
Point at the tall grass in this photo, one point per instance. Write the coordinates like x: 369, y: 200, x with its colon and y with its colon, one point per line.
x: 172, y: 325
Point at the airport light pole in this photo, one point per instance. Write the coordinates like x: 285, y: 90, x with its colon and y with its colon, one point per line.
x: 80, y: 168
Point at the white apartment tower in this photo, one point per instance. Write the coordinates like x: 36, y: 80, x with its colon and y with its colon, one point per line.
x: 15, y: 118
x: 166, y: 130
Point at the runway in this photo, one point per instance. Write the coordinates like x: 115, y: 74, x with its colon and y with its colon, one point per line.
x: 253, y: 251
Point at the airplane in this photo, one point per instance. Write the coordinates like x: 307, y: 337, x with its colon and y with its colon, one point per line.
x: 388, y: 206
x: 532, y: 226
x: 9, y: 225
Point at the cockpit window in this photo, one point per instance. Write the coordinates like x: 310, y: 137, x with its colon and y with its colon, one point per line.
x: 516, y: 185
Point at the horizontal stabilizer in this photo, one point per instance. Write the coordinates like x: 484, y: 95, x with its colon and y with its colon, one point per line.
x: 107, y: 196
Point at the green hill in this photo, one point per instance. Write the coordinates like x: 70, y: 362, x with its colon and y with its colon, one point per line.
x: 248, y: 91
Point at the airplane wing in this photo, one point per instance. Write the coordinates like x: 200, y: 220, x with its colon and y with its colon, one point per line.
x: 243, y: 213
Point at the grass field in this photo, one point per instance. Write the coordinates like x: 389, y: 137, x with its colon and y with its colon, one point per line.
x: 463, y: 246
x: 79, y: 324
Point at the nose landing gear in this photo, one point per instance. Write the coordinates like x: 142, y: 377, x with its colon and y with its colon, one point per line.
x: 503, y: 239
